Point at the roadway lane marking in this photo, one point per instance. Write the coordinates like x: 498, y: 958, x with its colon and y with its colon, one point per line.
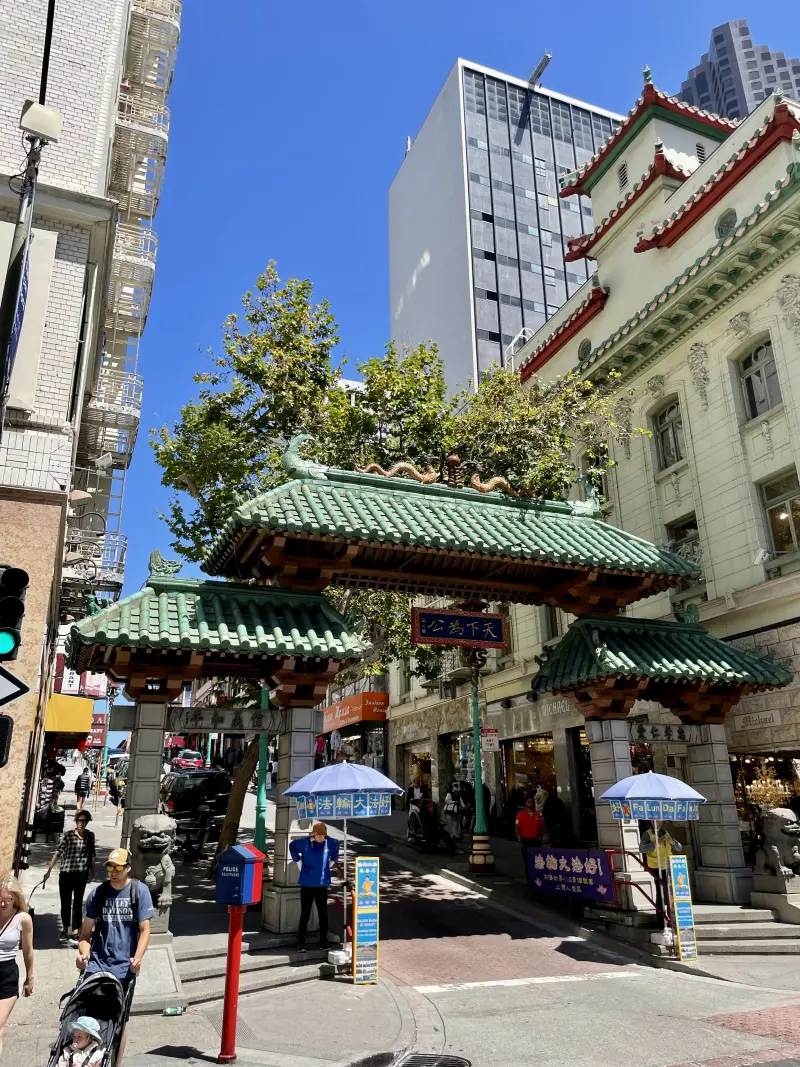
x: 542, y: 980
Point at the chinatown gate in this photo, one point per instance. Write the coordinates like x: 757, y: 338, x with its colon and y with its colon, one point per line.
x: 419, y: 535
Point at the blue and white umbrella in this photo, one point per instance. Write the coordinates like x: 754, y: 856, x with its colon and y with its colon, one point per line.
x: 342, y: 791
x: 652, y: 796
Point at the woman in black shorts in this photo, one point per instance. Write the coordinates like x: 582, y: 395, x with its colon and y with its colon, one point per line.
x: 16, y: 929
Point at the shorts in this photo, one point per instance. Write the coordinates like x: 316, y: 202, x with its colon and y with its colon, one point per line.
x: 80, y: 796
x: 9, y: 979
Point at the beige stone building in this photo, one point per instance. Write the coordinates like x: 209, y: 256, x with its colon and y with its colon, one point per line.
x: 694, y: 300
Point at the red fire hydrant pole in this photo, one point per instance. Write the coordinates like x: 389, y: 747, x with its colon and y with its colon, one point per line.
x: 230, y: 1010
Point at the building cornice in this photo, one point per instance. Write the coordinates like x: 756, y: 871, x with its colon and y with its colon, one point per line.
x: 661, y: 167
x: 715, y: 279
x: 652, y: 103
x: 780, y: 126
x: 584, y: 313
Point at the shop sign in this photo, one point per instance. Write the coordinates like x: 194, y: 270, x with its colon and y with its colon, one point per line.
x: 365, y: 920
x: 363, y: 707
x: 756, y: 720
x: 361, y: 805
x: 458, y: 629
x: 216, y: 719
x: 660, y: 810
x: 573, y: 872
x: 650, y: 732
x: 490, y: 739
x: 683, y: 913
x: 97, y: 738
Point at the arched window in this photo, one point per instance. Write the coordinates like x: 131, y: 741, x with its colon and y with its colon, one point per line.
x: 726, y: 224
x: 669, y: 435
x: 762, y: 390
x: 622, y: 174
x: 584, y: 349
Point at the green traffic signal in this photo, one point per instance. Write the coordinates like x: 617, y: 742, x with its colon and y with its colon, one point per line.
x: 9, y: 641
x: 13, y: 586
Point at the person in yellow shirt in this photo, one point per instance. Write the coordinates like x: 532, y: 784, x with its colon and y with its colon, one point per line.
x: 657, y: 860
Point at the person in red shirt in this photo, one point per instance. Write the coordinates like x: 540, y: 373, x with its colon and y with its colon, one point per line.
x: 529, y: 827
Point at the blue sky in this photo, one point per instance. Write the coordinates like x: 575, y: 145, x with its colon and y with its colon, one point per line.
x: 288, y: 125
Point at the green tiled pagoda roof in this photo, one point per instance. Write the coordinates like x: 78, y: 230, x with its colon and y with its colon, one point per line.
x: 183, y: 613
x: 366, y: 508
x: 595, y: 649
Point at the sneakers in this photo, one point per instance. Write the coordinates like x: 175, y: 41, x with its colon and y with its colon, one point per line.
x: 63, y: 937
x: 73, y: 942
x: 301, y: 946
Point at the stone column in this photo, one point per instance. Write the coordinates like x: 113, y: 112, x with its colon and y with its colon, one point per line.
x: 281, y: 910
x: 721, y: 874
x: 143, y: 787
x: 610, y: 752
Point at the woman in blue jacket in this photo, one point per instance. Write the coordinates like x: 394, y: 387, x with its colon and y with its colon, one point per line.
x: 316, y: 855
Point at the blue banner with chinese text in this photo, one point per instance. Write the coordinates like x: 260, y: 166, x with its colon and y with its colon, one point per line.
x: 461, y: 629
x: 573, y: 872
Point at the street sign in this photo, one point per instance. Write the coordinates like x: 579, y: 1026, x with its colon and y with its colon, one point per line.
x: 458, y: 629
x: 11, y: 687
x: 365, y: 921
x: 490, y: 739
x: 683, y: 917
x: 97, y: 738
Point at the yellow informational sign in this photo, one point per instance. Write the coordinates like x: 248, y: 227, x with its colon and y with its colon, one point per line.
x: 365, y: 920
x: 682, y: 911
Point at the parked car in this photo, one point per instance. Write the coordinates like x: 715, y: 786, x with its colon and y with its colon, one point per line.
x: 187, y: 760
x: 183, y: 792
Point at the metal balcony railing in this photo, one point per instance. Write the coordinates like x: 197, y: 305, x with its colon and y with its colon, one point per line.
x: 135, y: 181
x: 135, y: 246
x: 144, y: 121
x: 164, y: 10
x: 119, y: 394
x: 152, y: 46
x: 93, y: 559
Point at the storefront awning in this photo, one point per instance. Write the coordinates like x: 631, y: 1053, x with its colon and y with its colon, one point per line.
x: 363, y: 707
x: 68, y: 715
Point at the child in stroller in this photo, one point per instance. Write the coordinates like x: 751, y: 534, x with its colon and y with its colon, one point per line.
x: 424, y: 829
x: 99, y: 1007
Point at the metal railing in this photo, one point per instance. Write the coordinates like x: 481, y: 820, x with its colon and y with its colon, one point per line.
x: 162, y: 9
x: 137, y: 245
x: 516, y: 345
x: 118, y: 391
x: 138, y: 115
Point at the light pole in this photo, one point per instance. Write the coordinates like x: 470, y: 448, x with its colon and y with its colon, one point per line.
x: 261, y: 795
x: 481, y: 859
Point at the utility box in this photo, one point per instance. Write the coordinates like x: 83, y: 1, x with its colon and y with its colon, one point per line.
x: 240, y: 872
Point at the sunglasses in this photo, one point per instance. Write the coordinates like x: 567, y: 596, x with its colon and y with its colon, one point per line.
x: 118, y: 868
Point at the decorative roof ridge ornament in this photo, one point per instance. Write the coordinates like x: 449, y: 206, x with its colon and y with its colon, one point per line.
x: 427, y: 477
x: 688, y: 615
x: 647, y: 75
x: 296, y: 465
x: 592, y: 505
x: 599, y: 648
x: 162, y: 568
x: 496, y: 484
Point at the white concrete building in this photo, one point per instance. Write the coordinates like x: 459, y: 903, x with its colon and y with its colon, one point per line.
x: 476, y: 229
x: 75, y: 394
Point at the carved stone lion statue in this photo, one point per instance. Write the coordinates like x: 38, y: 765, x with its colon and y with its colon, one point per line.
x: 780, y: 852
x: 151, y: 843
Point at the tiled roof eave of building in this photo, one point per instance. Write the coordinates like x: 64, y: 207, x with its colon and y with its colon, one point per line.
x: 597, y: 650
x: 580, y: 182
x: 781, y: 126
x: 686, y: 283
x: 591, y: 306
x: 662, y: 166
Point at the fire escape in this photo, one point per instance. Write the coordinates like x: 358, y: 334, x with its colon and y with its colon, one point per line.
x: 95, y: 546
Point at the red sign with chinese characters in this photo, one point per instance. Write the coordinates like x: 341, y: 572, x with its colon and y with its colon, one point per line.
x: 99, y: 730
x: 459, y: 629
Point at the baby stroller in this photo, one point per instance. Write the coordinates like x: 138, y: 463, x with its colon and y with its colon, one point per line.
x: 425, y: 831
x: 102, y: 997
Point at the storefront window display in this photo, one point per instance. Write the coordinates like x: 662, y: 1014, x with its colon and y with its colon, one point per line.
x: 462, y: 758
x: 762, y: 782
x: 530, y: 762
x: 585, y: 821
x: 417, y: 765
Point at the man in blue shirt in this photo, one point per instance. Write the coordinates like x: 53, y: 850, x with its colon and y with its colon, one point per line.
x: 116, y: 929
x: 316, y: 855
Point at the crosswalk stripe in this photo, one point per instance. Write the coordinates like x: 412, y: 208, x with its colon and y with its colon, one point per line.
x: 539, y: 980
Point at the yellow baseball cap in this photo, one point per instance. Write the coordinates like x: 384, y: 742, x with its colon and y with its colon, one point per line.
x: 118, y: 857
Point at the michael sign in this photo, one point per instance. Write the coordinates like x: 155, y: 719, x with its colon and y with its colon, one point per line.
x: 756, y: 720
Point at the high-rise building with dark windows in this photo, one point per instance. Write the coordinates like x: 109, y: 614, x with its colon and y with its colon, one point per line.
x: 477, y: 231
x: 735, y: 74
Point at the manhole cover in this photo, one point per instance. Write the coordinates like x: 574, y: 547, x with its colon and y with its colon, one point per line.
x: 433, y: 1060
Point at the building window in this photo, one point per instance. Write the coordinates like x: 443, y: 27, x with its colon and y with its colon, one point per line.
x: 584, y: 349
x: 405, y: 677
x: 622, y: 174
x: 550, y: 617
x: 683, y: 538
x: 726, y: 224
x: 760, y: 381
x: 669, y: 436
x: 700, y: 152
x: 782, y: 503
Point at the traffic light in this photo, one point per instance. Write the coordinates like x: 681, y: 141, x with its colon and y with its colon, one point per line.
x: 13, y: 586
x: 6, y: 730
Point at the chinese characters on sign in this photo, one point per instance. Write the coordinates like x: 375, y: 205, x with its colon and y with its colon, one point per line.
x: 365, y: 934
x: 649, y: 732
x: 572, y: 872
x: 662, y: 810
x: 460, y: 629
x: 343, y: 805
x: 683, y: 917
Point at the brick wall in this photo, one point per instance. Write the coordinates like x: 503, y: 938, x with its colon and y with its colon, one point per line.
x: 85, y: 67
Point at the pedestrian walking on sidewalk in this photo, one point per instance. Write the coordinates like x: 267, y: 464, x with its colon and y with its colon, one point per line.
x: 316, y: 855
x: 76, y: 855
x: 116, y: 930
x: 16, y: 931
x: 453, y: 810
x: 529, y: 827
x: 83, y: 783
